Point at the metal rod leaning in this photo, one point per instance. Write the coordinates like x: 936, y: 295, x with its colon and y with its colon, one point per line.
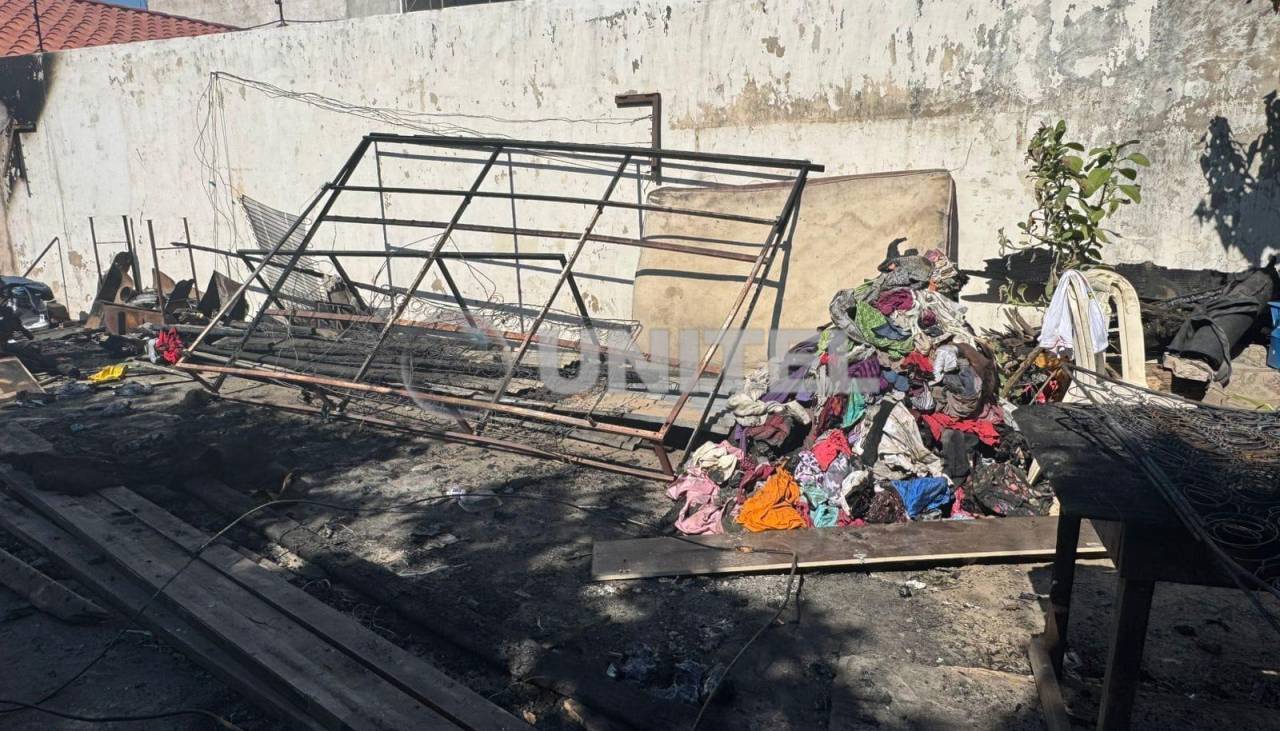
x: 555, y: 290
x: 765, y: 255
x: 235, y: 299
x: 422, y: 271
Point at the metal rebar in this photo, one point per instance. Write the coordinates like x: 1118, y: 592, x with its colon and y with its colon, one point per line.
x: 541, y: 198
x: 155, y: 267
x: 97, y: 261
x: 191, y: 256
x: 382, y: 211
x: 613, y: 150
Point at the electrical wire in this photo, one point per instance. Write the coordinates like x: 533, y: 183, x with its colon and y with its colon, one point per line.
x: 222, y: 722
x: 412, y: 506
x: 212, y: 134
x: 786, y: 599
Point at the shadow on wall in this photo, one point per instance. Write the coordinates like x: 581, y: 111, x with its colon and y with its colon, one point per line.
x: 1244, y: 205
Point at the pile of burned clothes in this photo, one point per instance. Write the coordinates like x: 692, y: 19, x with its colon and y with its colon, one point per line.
x: 889, y: 414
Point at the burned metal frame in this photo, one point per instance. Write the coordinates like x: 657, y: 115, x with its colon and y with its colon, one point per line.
x: 613, y: 162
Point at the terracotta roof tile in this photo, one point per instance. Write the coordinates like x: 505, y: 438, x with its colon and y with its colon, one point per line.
x: 79, y: 23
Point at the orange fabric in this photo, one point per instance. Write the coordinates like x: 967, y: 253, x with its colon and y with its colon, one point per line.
x: 772, y: 507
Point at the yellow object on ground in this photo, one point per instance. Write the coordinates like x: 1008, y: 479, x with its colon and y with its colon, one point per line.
x: 108, y: 374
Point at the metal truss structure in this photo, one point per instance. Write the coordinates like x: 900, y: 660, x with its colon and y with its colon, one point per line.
x: 398, y: 350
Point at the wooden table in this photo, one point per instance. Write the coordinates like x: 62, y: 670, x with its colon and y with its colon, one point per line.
x: 1095, y: 479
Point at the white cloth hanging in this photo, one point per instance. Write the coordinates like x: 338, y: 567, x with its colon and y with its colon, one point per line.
x: 1058, y: 333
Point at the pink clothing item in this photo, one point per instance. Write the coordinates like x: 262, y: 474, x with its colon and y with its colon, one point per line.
x: 830, y: 446
x: 700, y: 514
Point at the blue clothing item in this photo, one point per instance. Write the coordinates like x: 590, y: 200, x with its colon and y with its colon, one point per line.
x: 897, y: 380
x: 889, y: 331
x: 922, y: 494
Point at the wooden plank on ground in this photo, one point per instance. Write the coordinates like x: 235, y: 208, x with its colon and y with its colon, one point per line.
x: 339, y: 692
x: 46, y: 594
x: 128, y: 596
x: 20, y: 443
x: 15, y: 379
x: 878, y: 547
x: 410, y: 674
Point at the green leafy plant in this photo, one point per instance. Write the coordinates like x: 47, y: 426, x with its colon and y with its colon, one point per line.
x: 1075, y: 192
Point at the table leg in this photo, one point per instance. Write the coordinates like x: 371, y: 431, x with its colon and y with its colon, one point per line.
x: 1064, y: 574
x: 1124, y: 659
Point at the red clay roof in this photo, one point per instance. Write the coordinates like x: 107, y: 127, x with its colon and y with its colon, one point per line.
x: 78, y: 23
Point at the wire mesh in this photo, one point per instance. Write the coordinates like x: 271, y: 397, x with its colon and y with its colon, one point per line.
x: 270, y: 226
x: 1218, y: 467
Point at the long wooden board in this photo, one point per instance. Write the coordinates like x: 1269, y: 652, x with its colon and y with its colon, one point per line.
x: 410, y: 674
x: 878, y: 547
x: 128, y: 596
x: 335, y: 689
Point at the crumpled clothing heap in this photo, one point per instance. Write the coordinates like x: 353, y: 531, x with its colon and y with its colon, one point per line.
x: 700, y: 514
x: 775, y: 505
x: 897, y: 441
x: 717, y: 461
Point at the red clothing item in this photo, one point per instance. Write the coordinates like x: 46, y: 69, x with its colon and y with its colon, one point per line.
x: 169, y: 345
x: 915, y: 358
x: 985, y: 430
x: 832, y: 446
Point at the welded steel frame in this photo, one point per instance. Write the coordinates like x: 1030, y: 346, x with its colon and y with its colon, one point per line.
x: 780, y: 231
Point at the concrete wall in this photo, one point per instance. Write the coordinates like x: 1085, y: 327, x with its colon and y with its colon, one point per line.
x: 860, y: 85
x: 249, y: 13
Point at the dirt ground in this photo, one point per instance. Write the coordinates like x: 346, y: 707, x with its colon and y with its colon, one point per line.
x: 519, y: 567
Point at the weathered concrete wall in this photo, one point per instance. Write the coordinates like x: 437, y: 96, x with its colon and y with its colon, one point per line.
x: 860, y: 85
x: 248, y: 13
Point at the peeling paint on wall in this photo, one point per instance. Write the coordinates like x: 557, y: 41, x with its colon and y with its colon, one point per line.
x: 859, y: 85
